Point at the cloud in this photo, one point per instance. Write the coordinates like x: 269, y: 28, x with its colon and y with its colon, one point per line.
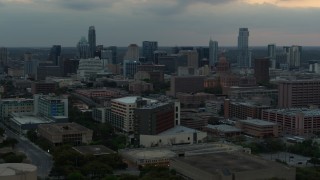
x: 288, y: 3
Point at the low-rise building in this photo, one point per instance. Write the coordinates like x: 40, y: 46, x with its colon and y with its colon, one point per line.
x: 194, y: 100
x: 15, y: 105
x: 174, y: 136
x: 222, y: 130
x: 61, y: 133
x: 258, y: 128
x: 43, y: 87
x: 230, y: 166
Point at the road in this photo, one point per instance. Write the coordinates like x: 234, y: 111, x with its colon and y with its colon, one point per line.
x: 37, y: 156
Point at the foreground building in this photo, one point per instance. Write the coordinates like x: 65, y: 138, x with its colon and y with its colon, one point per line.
x: 294, y: 121
x: 61, y: 133
x: 230, y: 166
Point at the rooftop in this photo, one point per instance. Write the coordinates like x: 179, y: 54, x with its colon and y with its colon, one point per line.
x: 258, y: 122
x: 63, y: 128
x: 11, y: 169
x: 94, y: 150
x: 28, y: 118
x: 178, y: 130
x: 294, y: 111
x: 227, y: 163
x: 131, y: 100
x: 223, y: 128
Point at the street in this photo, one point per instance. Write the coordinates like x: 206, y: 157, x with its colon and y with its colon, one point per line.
x: 37, y: 156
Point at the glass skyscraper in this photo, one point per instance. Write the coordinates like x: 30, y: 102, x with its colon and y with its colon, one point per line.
x: 244, y: 59
x: 92, y: 41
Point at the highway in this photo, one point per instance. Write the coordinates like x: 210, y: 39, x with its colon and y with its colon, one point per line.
x: 38, y: 157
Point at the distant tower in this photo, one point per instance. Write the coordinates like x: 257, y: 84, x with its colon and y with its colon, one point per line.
x: 243, y: 48
x: 3, y: 56
x: 83, y: 48
x: 132, y: 53
x: 213, y: 52
x: 55, y: 54
x: 92, y: 40
x: 148, y: 48
x: 293, y: 56
x: 272, y: 54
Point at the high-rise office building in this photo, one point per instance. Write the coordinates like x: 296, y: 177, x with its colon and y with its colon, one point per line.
x: 130, y: 68
x: 3, y: 56
x: 114, y: 50
x: 83, y: 48
x: 213, y: 52
x: 272, y: 54
x: 293, y: 56
x: 92, y: 41
x: 132, y: 53
x: 244, y: 56
x: 148, y: 47
x: 55, y: 53
x: 157, y: 54
x: 192, y: 57
x: 261, y: 70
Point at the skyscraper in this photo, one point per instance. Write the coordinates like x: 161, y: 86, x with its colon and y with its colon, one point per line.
x: 132, y: 53
x: 83, y: 48
x: 213, y: 52
x: 3, y: 56
x: 243, y: 48
x: 114, y: 50
x: 293, y: 56
x: 272, y: 54
x: 55, y: 53
x: 92, y: 41
x: 148, y: 47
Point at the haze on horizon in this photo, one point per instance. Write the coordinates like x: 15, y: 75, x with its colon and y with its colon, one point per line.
x: 31, y: 23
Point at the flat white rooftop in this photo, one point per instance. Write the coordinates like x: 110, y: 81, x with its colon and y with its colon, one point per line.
x: 131, y: 100
x: 29, y: 119
x: 178, y: 130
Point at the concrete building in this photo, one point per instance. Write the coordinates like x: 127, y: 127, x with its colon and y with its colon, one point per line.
x: 222, y: 130
x: 223, y: 66
x: 186, y: 84
x: 272, y: 54
x: 31, y: 67
x: 314, y: 66
x: 48, y: 70
x: 194, y: 119
x: 18, y: 105
x: 294, y: 121
x: 192, y: 57
x: 194, y: 100
x: 154, y: 118
x: 243, y: 109
x: 138, y: 87
x: 88, y: 68
x: 236, y: 92
x: 43, y: 87
x: 261, y: 70
x: 55, y: 54
x: 121, y: 114
x: 101, y: 92
x: 299, y: 93
x: 293, y: 56
x: 50, y: 106
x: 132, y: 53
x: 18, y: 171
x: 258, y: 128
x: 21, y: 123
x: 61, y: 133
x: 230, y: 166
x: 174, y: 136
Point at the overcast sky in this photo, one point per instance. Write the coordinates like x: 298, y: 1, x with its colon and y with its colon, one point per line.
x: 26, y: 23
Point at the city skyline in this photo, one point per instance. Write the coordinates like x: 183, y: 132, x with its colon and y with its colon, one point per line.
x: 35, y: 23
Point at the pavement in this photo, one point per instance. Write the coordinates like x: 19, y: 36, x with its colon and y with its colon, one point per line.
x: 37, y: 156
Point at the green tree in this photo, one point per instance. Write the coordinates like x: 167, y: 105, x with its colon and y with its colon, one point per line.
x: 76, y: 176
